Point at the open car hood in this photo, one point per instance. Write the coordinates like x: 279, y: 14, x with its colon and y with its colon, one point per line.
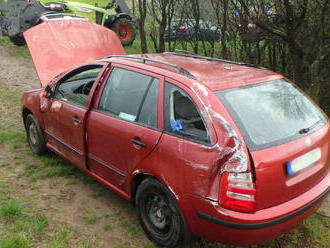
x: 57, y: 45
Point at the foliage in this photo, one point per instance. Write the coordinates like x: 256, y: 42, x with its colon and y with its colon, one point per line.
x: 290, y: 37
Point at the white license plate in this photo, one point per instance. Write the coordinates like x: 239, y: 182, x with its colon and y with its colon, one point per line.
x: 304, y: 161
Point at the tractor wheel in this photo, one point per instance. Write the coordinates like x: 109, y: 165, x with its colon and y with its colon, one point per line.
x: 125, y: 29
x: 18, y: 40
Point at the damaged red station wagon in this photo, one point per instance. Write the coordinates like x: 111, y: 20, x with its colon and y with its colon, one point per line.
x: 202, y: 146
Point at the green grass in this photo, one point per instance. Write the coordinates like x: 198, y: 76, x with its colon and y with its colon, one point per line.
x: 107, y: 227
x: 91, y: 219
x: 10, y: 210
x: 97, y: 195
x: 132, y: 228
x: 60, y: 239
x: 20, y: 224
x: 40, y: 223
x: 16, y: 241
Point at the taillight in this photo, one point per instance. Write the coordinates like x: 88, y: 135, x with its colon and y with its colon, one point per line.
x: 238, y: 192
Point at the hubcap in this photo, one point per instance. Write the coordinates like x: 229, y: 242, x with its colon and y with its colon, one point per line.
x: 33, y: 134
x: 124, y: 32
x: 159, y: 214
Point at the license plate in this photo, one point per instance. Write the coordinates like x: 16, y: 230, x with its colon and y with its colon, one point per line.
x: 304, y: 161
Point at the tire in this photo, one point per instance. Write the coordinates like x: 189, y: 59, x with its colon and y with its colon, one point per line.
x: 18, y: 40
x: 34, y: 135
x: 159, y: 215
x: 125, y: 29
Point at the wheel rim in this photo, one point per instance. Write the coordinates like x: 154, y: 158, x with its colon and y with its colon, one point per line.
x: 33, y: 134
x: 158, y: 215
x: 124, y: 32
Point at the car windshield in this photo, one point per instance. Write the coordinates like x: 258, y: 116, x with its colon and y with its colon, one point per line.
x: 271, y: 113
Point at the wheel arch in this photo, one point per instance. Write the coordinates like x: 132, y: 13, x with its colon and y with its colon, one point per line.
x: 141, y: 177
x: 25, y: 113
x: 137, y: 179
x: 111, y: 19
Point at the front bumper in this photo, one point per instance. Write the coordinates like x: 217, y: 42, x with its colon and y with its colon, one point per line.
x: 208, y: 219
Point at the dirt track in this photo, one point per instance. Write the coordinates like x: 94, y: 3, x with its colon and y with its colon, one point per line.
x: 69, y: 203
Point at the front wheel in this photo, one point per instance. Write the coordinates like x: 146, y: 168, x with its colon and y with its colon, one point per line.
x: 34, y: 135
x: 159, y: 215
x: 125, y: 29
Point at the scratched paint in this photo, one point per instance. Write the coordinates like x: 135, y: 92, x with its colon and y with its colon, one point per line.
x: 232, y: 146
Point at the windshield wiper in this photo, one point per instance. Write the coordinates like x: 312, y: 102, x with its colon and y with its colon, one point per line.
x: 308, y: 129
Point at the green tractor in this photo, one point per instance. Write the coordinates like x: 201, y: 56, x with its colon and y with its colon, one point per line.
x: 16, y: 16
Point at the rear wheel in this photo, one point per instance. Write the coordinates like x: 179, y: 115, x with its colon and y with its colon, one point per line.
x: 125, y: 29
x: 34, y: 135
x: 18, y: 40
x: 159, y: 215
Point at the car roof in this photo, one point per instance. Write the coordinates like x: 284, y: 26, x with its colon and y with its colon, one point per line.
x: 212, y: 73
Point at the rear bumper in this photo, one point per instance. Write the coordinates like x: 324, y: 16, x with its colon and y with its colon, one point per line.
x: 262, y: 224
x: 208, y: 219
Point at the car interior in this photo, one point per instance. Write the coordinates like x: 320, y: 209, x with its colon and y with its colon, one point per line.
x: 184, y: 111
x: 76, y: 89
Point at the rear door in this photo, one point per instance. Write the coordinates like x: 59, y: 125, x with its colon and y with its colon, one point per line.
x: 123, y: 128
x: 65, y: 120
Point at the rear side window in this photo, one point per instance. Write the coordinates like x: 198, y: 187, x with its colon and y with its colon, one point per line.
x: 131, y: 96
x: 181, y: 115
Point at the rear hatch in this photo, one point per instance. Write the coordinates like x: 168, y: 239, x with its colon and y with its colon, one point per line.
x: 286, y: 134
x: 64, y: 42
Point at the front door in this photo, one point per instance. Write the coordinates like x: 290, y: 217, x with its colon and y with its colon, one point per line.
x: 65, y: 120
x: 122, y: 129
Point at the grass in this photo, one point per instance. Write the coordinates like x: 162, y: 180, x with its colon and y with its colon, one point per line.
x: 107, y: 227
x: 20, y: 224
x: 132, y: 228
x: 60, y: 239
x: 91, y: 219
x: 10, y: 210
x: 16, y: 241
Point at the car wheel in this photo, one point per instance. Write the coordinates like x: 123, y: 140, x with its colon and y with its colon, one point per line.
x: 18, y: 40
x: 160, y: 216
x: 125, y: 29
x: 34, y: 135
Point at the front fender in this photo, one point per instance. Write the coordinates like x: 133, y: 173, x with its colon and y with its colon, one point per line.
x: 31, y: 104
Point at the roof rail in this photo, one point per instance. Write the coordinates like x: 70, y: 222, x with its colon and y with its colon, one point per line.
x: 184, y: 52
x: 212, y: 59
x: 144, y: 60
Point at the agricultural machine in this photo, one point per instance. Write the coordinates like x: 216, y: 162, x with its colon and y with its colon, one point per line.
x: 16, y: 16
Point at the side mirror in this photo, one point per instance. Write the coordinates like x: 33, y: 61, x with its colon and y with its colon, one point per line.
x: 49, y: 91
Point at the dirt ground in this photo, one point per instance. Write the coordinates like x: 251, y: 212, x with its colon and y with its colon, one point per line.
x: 70, y: 202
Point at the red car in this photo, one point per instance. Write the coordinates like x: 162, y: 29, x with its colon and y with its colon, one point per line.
x: 205, y: 147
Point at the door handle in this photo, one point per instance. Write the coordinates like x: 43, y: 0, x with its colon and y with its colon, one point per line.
x: 76, y: 120
x: 139, y: 143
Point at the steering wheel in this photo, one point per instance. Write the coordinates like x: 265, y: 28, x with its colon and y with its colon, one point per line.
x: 87, y: 88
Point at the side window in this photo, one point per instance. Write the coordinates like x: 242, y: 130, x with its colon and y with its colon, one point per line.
x: 75, y: 88
x: 181, y: 115
x: 131, y: 96
x: 148, y: 114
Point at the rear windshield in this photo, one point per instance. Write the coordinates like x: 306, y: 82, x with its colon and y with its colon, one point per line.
x: 271, y: 113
